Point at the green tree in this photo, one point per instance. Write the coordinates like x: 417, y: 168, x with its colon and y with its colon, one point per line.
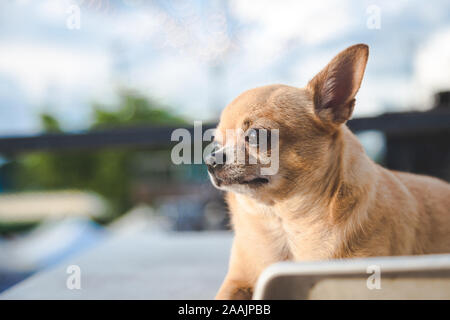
x: 105, y: 171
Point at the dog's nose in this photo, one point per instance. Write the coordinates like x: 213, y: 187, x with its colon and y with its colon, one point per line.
x: 215, y: 160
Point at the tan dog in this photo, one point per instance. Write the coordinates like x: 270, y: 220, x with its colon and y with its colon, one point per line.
x: 328, y: 200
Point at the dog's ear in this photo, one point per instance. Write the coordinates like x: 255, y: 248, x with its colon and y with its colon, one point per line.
x: 334, y: 88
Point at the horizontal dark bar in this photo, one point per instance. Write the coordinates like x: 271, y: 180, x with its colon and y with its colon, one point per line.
x: 404, y: 123
x: 153, y: 137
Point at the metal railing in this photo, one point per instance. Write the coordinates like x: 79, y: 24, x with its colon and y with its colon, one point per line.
x: 393, y: 124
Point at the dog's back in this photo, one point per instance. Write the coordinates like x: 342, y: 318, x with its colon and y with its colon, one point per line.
x: 432, y: 201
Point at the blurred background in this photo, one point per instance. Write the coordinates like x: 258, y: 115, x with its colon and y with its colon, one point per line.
x: 90, y: 91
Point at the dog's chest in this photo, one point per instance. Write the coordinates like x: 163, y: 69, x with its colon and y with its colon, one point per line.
x: 300, y: 239
x: 279, y: 234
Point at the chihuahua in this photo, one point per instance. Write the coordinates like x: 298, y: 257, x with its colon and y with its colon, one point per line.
x: 324, y: 199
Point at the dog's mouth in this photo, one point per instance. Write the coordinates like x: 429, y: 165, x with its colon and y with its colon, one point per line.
x: 250, y: 181
x: 255, y: 181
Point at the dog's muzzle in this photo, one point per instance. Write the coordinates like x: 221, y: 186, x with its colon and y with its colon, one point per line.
x: 215, y: 163
x: 215, y: 160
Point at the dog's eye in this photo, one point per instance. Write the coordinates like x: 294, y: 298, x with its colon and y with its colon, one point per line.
x: 253, y: 137
x: 258, y: 138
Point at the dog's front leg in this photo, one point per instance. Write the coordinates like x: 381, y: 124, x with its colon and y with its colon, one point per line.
x: 234, y: 290
x: 238, y: 284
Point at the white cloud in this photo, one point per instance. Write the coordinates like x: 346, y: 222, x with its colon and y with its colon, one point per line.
x: 383, y: 94
x: 432, y: 66
x: 54, y: 10
x: 311, y: 22
x: 134, y: 28
x: 36, y: 66
x: 176, y: 81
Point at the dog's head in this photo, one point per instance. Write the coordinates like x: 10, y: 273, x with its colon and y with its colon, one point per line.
x: 274, y: 138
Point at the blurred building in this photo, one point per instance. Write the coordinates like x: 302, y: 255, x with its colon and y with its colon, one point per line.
x: 423, y: 151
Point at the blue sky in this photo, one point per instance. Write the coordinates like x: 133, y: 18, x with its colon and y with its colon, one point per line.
x: 196, y: 56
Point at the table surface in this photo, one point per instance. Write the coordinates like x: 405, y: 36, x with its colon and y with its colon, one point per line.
x: 180, y: 265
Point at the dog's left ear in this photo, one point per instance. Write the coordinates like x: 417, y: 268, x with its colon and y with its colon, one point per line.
x: 334, y: 88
